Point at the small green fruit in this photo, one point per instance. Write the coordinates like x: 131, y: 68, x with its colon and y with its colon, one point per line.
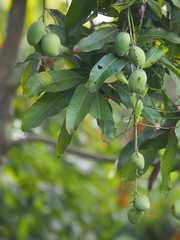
x: 142, y: 203
x: 35, y: 33
x: 137, y: 81
x: 51, y: 45
x: 122, y: 42
x: 138, y: 160
x: 140, y: 54
x: 134, y: 215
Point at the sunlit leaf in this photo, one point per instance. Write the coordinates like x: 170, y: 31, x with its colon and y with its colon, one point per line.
x: 152, y: 56
x: 51, y: 81
x: 97, y: 39
x: 106, y: 67
x: 155, y: 7
x: 79, y: 107
x: 47, y: 106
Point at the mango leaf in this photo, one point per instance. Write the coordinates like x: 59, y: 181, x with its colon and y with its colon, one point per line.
x: 29, y: 71
x: 155, y: 7
x: 101, y: 108
x: 165, y: 100
x: 97, y: 39
x: 32, y: 56
x: 174, y: 72
x: 48, y: 105
x: 126, y: 4
x: 138, y: 110
x: 51, y: 81
x: 155, y: 143
x: 64, y: 140
x: 79, y: 107
x: 151, y: 34
x: 176, y: 3
x: 78, y: 11
x: 152, y: 56
x: 147, y: 115
x: 111, y: 93
x: 109, y: 12
x: 177, y: 130
x: 168, y: 162
x: 124, y: 93
x: 108, y: 129
x: 106, y: 67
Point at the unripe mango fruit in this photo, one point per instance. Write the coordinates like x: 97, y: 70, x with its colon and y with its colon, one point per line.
x: 51, y: 45
x: 142, y: 203
x: 35, y: 32
x: 137, y: 51
x: 138, y: 160
x: 122, y: 42
x: 134, y: 215
x: 137, y: 81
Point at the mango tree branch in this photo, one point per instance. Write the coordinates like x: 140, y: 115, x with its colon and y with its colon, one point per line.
x: 71, y: 150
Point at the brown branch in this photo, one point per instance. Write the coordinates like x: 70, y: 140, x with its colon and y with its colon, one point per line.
x: 71, y: 150
x: 154, y: 175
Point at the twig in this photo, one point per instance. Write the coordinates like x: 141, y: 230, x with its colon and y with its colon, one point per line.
x: 71, y: 150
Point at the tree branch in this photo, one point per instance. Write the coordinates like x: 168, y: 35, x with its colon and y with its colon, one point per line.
x: 71, y: 150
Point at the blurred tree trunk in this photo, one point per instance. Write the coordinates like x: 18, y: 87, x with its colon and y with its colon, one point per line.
x: 8, y: 80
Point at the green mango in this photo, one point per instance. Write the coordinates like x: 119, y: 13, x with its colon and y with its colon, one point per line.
x: 138, y: 160
x: 51, y: 45
x: 142, y: 203
x: 134, y: 215
x: 140, y: 54
x: 122, y: 43
x: 35, y: 32
x: 137, y: 81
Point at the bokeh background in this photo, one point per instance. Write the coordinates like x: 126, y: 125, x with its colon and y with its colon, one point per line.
x: 43, y: 197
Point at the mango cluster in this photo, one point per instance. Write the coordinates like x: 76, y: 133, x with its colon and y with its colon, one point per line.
x: 141, y: 203
x: 137, y: 209
x: 48, y: 44
x: 138, y: 78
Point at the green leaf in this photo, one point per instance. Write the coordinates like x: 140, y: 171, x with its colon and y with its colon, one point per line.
x: 109, y: 12
x: 79, y: 107
x: 64, y: 140
x: 126, y: 4
x: 155, y: 143
x: 151, y: 34
x: 174, y: 72
x: 111, y: 93
x: 177, y: 130
x: 101, y: 108
x: 124, y: 93
x: 138, y: 110
x: 165, y: 100
x: 106, y: 67
x: 52, y: 81
x: 48, y: 105
x: 155, y: 7
x: 78, y: 11
x: 152, y: 56
x: 168, y: 162
x: 32, y: 56
x: 29, y: 71
x: 97, y: 39
x: 176, y: 3
x: 108, y: 130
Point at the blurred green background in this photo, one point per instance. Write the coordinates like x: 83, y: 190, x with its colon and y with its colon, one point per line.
x: 72, y: 198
